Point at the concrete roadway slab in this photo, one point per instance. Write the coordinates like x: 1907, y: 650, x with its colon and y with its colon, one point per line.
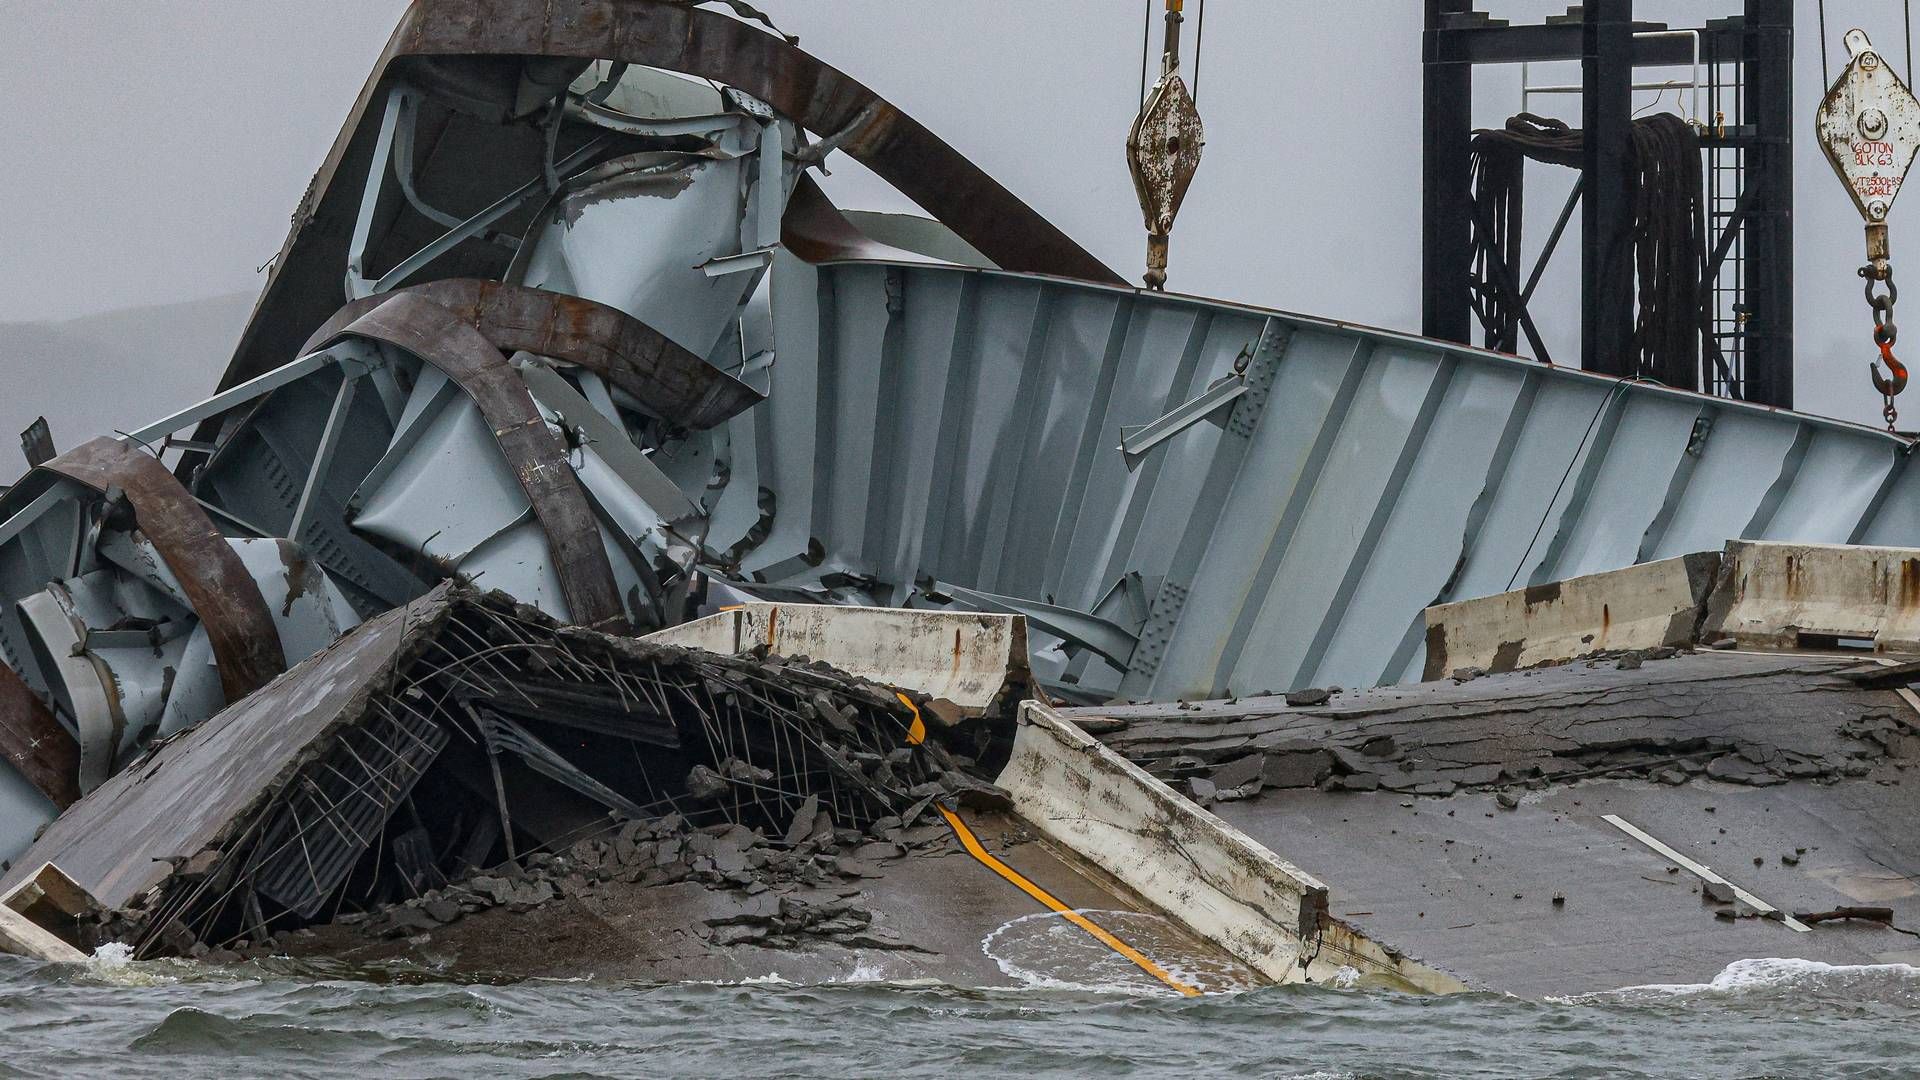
x: 942, y: 918
x: 1466, y: 886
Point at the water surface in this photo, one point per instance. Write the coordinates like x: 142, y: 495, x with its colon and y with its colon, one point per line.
x: 1757, y: 1018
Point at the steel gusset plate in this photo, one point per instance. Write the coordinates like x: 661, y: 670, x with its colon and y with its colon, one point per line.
x: 33, y: 742
x: 672, y: 382
x: 537, y: 456
x: 246, y: 645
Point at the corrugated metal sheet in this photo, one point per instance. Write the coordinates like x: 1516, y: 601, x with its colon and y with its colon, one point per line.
x: 931, y: 426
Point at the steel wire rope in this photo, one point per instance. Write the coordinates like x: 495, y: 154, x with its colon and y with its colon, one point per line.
x: 1826, y: 80
x: 1571, y: 462
x: 1200, y: 39
x: 1146, y: 42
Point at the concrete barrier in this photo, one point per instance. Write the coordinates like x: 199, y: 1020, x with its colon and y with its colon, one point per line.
x: 1817, y: 596
x: 47, y: 895
x: 1200, y: 871
x: 968, y: 658
x: 1639, y: 607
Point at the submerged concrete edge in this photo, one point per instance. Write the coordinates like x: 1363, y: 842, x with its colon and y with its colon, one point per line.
x: 1195, y: 868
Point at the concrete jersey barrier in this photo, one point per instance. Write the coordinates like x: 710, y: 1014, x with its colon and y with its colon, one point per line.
x: 968, y: 658
x: 1200, y: 871
x: 1817, y: 596
x: 1639, y: 607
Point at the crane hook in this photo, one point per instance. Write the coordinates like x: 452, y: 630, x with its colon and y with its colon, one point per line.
x: 1888, y: 387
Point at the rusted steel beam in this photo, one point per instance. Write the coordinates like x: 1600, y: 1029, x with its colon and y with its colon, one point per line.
x: 304, y: 286
x: 707, y: 44
x: 32, y: 741
x: 538, y: 458
x: 246, y: 646
x: 677, y: 385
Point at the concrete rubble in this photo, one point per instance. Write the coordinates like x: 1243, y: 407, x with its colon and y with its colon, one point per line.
x: 604, y: 556
x: 416, y: 708
x: 1658, y: 714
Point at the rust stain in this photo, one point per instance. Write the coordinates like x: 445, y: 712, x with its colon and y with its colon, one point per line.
x: 1507, y: 656
x: 1541, y: 594
x: 635, y: 176
x: 297, y: 566
x: 606, y: 341
x: 246, y: 646
x: 34, y: 743
x: 1909, y: 584
x: 1436, y: 664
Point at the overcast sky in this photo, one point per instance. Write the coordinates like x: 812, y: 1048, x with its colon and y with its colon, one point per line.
x: 153, y: 151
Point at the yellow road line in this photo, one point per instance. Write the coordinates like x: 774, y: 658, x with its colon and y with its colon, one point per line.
x: 974, y: 848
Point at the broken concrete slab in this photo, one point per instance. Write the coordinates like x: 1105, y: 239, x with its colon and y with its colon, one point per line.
x: 21, y: 936
x: 1797, y: 714
x: 1299, y: 768
x: 915, y: 920
x: 220, y: 803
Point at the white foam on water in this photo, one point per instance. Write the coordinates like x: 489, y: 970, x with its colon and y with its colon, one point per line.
x: 864, y: 972
x: 113, y: 954
x: 113, y: 963
x: 1044, y: 951
x: 1770, y: 973
x: 1034, y: 950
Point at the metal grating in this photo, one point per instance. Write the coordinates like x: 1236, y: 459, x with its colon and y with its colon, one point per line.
x: 336, y: 807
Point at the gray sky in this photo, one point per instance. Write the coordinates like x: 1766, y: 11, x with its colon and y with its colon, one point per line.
x: 155, y: 150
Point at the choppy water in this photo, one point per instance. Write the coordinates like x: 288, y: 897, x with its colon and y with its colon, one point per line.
x: 1758, y: 1018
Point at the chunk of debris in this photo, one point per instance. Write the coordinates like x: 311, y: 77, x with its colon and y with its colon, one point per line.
x: 705, y: 785
x: 1734, y: 769
x: 1299, y: 768
x: 553, y: 753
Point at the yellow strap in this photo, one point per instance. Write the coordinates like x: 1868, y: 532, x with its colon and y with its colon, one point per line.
x: 972, y: 844
x: 917, y: 731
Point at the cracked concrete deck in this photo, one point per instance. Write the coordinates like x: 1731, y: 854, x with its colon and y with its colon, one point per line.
x: 1446, y: 817
x: 939, y: 916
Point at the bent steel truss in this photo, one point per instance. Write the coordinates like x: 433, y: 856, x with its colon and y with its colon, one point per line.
x: 546, y: 322
x: 1207, y: 499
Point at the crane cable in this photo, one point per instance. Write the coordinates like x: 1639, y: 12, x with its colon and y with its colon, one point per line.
x: 1200, y: 39
x: 1146, y: 43
x: 1826, y: 79
x: 1146, y: 47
